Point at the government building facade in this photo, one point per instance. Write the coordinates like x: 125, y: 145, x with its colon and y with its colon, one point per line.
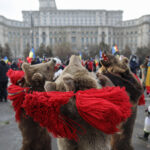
x: 80, y: 28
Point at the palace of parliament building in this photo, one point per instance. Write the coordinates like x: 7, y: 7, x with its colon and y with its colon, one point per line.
x: 80, y: 28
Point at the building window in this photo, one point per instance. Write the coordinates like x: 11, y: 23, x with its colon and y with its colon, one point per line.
x: 37, y: 34
x: 82, y: 40
x: 103, y: 37
x: 64, y: 39
x: 55, y: 40
x: 51, y: 41
x: 60, y: 40
x: 44, y: 38
x: 73, y: 39
x: 87, y: 40
x: 91, y: 40
x: 95, y: 40
x: 37, y: 42
x: 109, y: 40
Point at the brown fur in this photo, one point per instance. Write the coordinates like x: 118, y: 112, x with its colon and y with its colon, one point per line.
x: 114, y: 65
x: 75, y: 77
x: 34, y: 136
x: 120, y: 75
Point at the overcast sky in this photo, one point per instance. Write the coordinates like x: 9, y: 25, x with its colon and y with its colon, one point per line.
x: 132, y: 8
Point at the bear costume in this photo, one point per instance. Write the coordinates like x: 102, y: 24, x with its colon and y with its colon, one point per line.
x: 74, y: 78
x: 33, y: 78
x: 118, y: 72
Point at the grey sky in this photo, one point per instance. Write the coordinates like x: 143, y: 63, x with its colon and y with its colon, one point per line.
x: 132, y: 8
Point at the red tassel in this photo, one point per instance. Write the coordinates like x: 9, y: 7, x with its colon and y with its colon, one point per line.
x: 45, y: 108
x: 15, y: 76
x: 105, y: 108
x: 17, y: 94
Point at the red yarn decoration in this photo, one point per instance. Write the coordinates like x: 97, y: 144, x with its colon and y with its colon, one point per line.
x: 103, y: 109
x: 15, y: 76
x: 45, y: 108
x: 17, y: 95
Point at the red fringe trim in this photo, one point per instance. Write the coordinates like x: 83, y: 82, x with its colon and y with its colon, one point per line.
x: 15, y: 76
x: 45, y: 108
x: 17, y: 95
x: 105, y: 108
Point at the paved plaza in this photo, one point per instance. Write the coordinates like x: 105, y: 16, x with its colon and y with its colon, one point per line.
x: 10, y: 136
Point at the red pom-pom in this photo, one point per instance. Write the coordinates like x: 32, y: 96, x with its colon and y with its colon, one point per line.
x: 15, y: 76
x: 104, y: 109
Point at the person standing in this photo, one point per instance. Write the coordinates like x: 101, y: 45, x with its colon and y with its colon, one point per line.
x: 133, y: 64
x: 144, y: 68
x: 146, y: 126
x: 148, y: 77
x: 3, y: 81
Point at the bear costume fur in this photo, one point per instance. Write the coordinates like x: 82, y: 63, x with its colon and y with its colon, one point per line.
x: 34, y: 136
x: 119, y: 73
x: 75, y: 77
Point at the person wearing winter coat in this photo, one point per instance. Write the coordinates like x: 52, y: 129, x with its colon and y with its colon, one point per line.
x: 3, y: 81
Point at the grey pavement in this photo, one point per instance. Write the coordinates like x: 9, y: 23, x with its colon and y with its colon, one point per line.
x: 10, y: 136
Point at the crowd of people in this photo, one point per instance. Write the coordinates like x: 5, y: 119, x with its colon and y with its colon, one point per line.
x: 92, y: 65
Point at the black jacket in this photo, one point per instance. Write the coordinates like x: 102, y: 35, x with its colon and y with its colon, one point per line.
x: 3, y: 70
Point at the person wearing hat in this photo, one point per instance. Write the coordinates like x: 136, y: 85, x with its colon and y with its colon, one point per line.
x: 146, y: 126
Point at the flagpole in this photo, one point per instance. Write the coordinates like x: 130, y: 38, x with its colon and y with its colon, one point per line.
x: 32, y: 29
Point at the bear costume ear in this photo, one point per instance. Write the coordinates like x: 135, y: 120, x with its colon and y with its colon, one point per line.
x: 69, y: 82
x: 50, y: 86
x: 25, y: 66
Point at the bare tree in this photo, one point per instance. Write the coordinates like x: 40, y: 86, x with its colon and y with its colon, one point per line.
x: 1, y: 51
x: 93, y: 50
x: 104, y: 47
x: 127, y: 51
x: 49, y: 51
x: 7, y: 51
x: 41, y: 51
x: 63, y: 50
x: 142, y: 52
x: 26, y: 50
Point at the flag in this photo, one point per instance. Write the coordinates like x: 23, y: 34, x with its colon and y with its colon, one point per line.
x: 114, y: 49
x: 148, y: 80
x: 100, y: 54
x: 6, y: 59
x: 80, y: 55
x: 32, y: 53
